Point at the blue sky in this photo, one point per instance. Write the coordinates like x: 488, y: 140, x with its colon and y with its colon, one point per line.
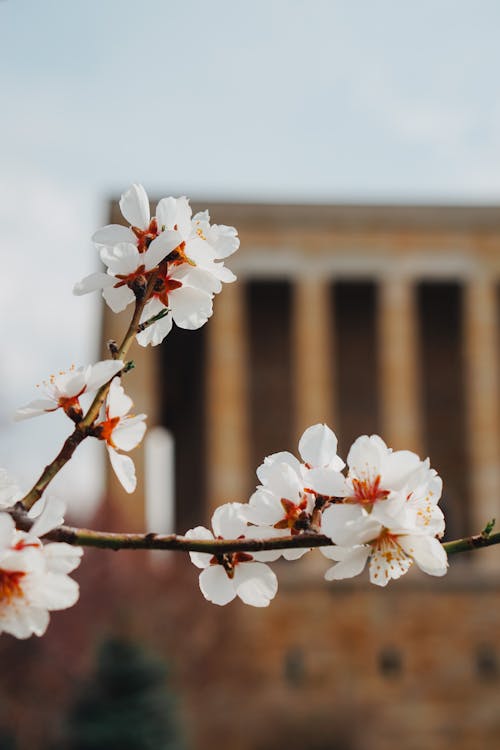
x: 270, y: 100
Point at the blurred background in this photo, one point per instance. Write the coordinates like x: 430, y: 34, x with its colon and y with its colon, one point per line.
x: 356, y: 148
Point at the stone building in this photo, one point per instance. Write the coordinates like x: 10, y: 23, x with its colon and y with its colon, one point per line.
x: 371, y: 319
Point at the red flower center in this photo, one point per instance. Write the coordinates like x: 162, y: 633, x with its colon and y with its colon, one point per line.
x: 295, y: 515
x: 106, y: 429
x: 367, y: 492
x: 164, y: 285
x: 146, y: 236
x: 10, y: 585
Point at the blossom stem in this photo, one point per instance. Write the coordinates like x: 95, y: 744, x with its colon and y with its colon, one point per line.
x: 84, y: 428
x: 119, y: 540
x: 142, y: 326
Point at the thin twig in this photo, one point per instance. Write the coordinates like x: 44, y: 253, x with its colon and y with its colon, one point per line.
x: 142, y: 326
x: 122, y: 540
x: 84, y: 428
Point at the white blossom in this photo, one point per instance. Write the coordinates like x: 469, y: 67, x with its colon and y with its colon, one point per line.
x: 238, y: 574
x: 34, y: 577
x: 122, y: 432
x: 186, y: 294
x: 284, y: 502
x: 359, y: 537
x: 62, y: 391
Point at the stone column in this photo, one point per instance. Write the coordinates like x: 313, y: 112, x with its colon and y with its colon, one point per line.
x: 482, y: 401
x: 398, y: 365
x: 228, y: 471
x: 313, y: 372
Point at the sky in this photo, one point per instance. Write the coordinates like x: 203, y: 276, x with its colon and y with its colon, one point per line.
x: 274, y: 100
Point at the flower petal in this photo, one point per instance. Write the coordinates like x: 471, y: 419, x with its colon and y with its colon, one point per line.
x: 318, y: 447
x: 216, y: 586
x: 160, y: 247
x: 113, y: 234
x: 228, y: 521
x: 35, y: 409
x: 129, y: 432
x: 118, y: 403
x: 92, y: 283
x: 61, y: 557
x: 428, y: 553
x: 134, y: 205
x: 350, y: 561
x: 52, y: 515
x: 101, y: 372
x: 256, y: 584
x: 200, y: 559
x: 191, y: 308
x: 124, y: 468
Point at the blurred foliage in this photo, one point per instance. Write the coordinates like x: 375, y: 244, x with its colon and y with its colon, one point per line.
x: 125, y: 704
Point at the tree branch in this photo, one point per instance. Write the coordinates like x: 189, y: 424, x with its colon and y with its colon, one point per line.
x: 83, y: 428
x: 119, y: 540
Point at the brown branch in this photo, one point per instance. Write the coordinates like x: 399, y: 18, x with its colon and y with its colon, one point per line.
x: 118, y: 540
x: 84, y: 428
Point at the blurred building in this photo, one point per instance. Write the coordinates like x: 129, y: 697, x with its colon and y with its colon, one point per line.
x: 372, y: 319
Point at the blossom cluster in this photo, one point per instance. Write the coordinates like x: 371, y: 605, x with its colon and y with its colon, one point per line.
x: 34, y: 577
x: 383, y: 511
x: 182, y: 254
x: 380, y: 510
x: 116, y: 427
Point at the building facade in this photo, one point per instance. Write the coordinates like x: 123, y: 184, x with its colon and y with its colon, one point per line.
x: 372, y: 319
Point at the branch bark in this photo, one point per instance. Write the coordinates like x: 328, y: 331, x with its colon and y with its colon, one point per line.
x: 119, y: 540
x: 84, y: 427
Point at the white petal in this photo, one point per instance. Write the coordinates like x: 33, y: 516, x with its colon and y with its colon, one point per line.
x: 122, y: 259
x: 397, y: 467
x: 318, y: 446
x: 295, y: 554
x: 129, y: 432
x: 118, y: 403
x: 92, y: 283
x: 101, y: 372
x: 24, y: 621
x: 134, y: 205
x: 118, y: 298
x: 256, y: 584
x: 351, y: 562
x: 113, y: 234
x: 61, y: 557
x: 284, y: 482
x: 52, y: 515
x: 216, y: 586
x: 283, y: 457
x: 54, y: 591
x: 124, y: 468
x: 223, y: 273
x: 228, y: 521
x: 428, y: 553
x: 172, y: 212
x: 263, y: 508
x: 200, y: 559
x: 160, y: 247
x: 223, y: 239
x: 388, y: 561
x: 326, y: 482
x: 35, y: 409
x: 343, y: 523
x: 191, y: 308
x: 156, y: 332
